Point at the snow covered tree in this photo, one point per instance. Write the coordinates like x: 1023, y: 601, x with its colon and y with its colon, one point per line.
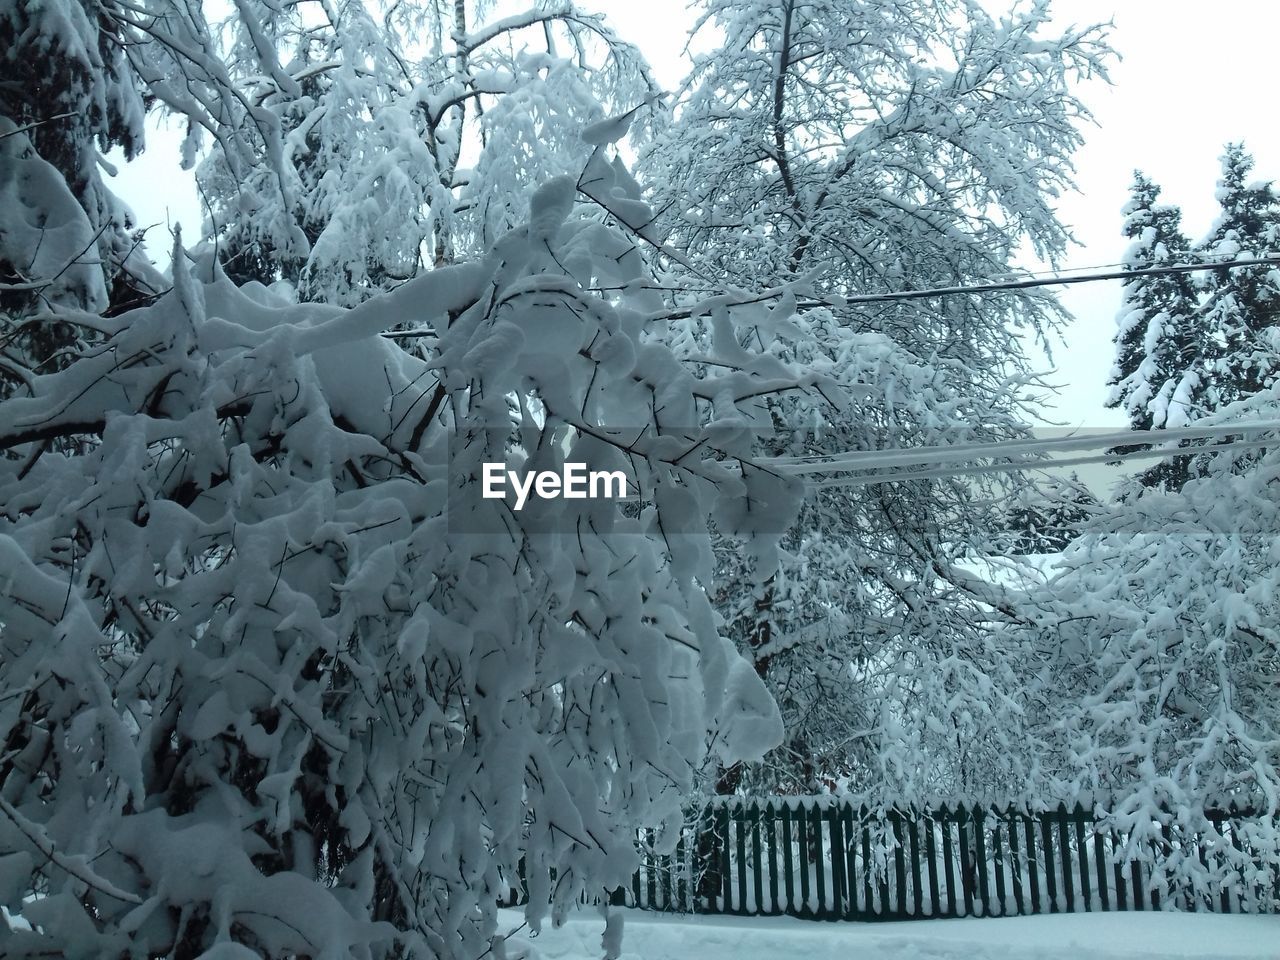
x: 415, y: 132
x: 1049, y: 517
x: 1158, y: 340
x: 1158, y: 664
x: 81, y: 102
x: 66, y: 239
x: 1184, y: 346
x: 1241, y: 308
x: 276, y: 680
x: 103, y: 63
x: 877, y: 147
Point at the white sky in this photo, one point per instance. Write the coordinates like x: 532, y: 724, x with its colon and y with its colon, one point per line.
x: 1192, y: 78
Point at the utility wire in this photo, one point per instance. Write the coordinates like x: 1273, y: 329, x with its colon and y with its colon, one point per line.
x: 854, y: 460
x: 992, y: 287
x: 902, y: 476
x: 1095, y: 267
x: 1058, y: 279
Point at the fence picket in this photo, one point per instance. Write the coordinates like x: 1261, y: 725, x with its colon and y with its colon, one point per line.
x: 947, y: 862
x: 667, y: 881
x: 726, y: 877
x: 899, y: 864
x: 839, y: 883
x: 787, y: 869
x: 771, y: 839
x: 1033, y: 870
x: 1118, y: 871
x: 966, y: 860
x: 1083, y: 852
x: 997, y: 861
x: 819, y: 867
x: 652, y: 886
x: 1099, y: 864
x: 850, y: 860
x: 741, y: 905
x: 1050, y: 871
x: 802, y: 847
x: 757, y: 872
x: 1064, y: 855
x: 980, y: 848
x: 1226, y: 888
x: 1015, y: 862
x: 913, y: 834
x: 882, y: 884
x: 869, y: 899
x: 682, y: 876
x: 931, y: 862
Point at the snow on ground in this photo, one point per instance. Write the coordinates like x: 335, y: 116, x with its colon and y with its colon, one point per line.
x: 1102, y: 936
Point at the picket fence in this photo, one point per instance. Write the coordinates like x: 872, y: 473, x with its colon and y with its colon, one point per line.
x: 820, y: 859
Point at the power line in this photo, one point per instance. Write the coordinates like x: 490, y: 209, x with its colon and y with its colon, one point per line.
x: 976, y: 469
x: 856, y: 460
x: 1095, y: 267
x: 1058, y: 279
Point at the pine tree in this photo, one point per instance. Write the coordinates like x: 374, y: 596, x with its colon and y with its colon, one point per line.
x: 1158, y: 342
x: 67, y: 242
x: 1185, y: 347
x: 1050, y: 517
x: 82, y: 101
x: 1240, y: 312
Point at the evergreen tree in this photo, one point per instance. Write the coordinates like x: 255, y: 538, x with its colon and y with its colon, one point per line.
x: 81, y: 101
x: 1157, y: 377
x: 1048, y: 518
x: 1157, y: 340
x: 67, y: 95
x: 1186, y: 347
x: 1240, y: 309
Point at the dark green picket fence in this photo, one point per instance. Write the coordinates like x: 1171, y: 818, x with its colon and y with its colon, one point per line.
x: 821, y: 859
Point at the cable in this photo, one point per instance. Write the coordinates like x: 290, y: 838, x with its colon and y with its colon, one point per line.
x: 1058, y: 279
x: 943, y: 472
x: 854, y: 460
x: 1100, y: 266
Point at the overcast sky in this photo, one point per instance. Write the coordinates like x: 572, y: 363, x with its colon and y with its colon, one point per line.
x: 1192, y: 78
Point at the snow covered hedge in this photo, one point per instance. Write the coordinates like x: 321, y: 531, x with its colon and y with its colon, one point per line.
x: 259, y: 689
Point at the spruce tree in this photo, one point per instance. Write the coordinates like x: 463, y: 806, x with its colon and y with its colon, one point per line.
x: 80, y: 102
x: 1186, y: 347
x: 1155, y: 340
x: 1241, y: 306
x: 67, y: 241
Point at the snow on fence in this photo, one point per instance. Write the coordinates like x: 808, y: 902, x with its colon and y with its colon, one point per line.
x: 819, y: 858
